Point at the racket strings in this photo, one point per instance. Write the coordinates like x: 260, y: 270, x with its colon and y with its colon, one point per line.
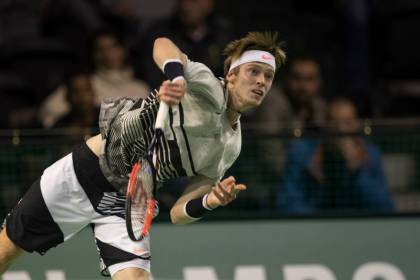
x: 143, y: 205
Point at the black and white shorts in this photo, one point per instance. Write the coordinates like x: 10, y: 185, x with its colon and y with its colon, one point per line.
x: 70, y: 195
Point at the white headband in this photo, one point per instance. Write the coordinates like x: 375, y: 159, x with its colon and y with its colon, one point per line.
x: 255, y: 56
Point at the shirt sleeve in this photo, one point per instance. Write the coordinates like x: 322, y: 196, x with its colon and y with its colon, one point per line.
x: 123, y: 125
x: 202, y: 82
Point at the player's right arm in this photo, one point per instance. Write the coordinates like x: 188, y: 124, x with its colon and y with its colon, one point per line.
x: 200, y: 79
x: 169, y: 58
x: 164, y: 49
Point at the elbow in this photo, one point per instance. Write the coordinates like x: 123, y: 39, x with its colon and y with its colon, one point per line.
x: 160, y: 41
x: 177, y: 218
x: 174, y: 217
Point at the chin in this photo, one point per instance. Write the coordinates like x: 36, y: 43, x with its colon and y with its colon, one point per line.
x: 254, y: 103
x: 257, y: 102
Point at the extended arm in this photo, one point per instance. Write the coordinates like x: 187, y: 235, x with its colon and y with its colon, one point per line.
x: 201, y: 187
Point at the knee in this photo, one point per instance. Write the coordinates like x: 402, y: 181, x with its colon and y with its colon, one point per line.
x: 131, y: 274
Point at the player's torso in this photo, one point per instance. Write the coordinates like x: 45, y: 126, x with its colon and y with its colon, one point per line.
x: 207, y: 143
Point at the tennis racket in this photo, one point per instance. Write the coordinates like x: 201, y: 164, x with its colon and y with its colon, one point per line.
x: 141, y: 206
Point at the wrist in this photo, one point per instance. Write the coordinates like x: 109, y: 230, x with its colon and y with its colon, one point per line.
x: 207, y: 205
x: 196, y: 208
x: 173, y: 69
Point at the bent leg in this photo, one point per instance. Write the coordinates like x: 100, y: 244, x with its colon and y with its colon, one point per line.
x: 8, y: 252
x: 121, y: 257
x: 131, y: 274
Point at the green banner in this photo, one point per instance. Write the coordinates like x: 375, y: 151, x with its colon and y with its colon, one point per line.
x: 355, y: 249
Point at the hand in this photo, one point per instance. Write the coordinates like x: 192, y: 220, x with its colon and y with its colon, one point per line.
x: 172, y: 92
x: 224, y: 192
x: 352, y: 152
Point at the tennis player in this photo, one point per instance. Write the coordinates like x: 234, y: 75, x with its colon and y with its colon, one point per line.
x: 202, y: 139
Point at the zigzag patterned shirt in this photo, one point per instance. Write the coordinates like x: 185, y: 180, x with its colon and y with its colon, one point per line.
x: 198, y: 138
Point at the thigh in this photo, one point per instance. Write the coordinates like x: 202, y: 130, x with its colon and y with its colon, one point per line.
x: 117, y: 251
x: 52, y: 210
x: 9, y: 250
x: 65, y: 198
x: 30, y: 225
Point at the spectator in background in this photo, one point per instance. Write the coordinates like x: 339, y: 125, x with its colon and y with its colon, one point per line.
x: 195, y: 28
x: 112, y: 78
x: 298, y: 103
x: 80, y: 95
x: 335, y: 174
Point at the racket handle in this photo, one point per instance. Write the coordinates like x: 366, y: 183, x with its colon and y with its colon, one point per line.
x: 162, y: 115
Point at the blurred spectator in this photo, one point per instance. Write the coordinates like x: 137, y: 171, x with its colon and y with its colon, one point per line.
x: 297, y: 104
x: 113, y: 77
x: 196, y: 29
x: 80, y: 95
x: 336, y: 174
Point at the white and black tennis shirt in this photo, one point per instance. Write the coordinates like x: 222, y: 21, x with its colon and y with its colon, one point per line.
x: 198, y: 138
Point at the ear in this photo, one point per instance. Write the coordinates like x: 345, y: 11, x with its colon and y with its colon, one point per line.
x: 231, y: 77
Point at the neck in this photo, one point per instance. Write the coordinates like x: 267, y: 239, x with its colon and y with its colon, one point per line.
x: 233, y: 116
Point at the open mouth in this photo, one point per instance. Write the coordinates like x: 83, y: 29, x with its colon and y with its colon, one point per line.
x: 257, y: 92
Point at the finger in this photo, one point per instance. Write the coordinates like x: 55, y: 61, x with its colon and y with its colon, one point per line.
x: 229, y: 180
x: 175, y: 86
x: 240, y: 187
x: 166, y: 83
x: 223, y: 200
x: 229, y: 186
x: 169, y: 100
x: 176, y: 94
x: 227, y: 191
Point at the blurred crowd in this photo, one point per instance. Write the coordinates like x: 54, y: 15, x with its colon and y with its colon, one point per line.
x: 347, y: 59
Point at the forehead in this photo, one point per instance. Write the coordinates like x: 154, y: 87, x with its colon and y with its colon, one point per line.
x: 263, y: 66
x: 305, y: 66
x: 342, y: 110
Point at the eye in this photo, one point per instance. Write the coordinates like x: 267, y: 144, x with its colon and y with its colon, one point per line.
x: 269, y: 76
x: 254, y: 71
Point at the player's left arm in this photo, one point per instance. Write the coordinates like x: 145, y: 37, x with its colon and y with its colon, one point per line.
x: 202, y: 195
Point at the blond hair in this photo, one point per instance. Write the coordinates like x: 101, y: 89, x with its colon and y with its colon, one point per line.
x: 263, y: 41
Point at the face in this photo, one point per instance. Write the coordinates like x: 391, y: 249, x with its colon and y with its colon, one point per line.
x: 109, y: 53
x: 81, y: 92
x: 304, y: 80
x: 249, y: 86
x: 343, y: 116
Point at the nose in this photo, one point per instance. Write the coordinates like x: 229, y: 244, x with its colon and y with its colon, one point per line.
x: 261, y: 80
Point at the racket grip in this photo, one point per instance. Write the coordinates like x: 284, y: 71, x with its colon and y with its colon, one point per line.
x: 162, y: 115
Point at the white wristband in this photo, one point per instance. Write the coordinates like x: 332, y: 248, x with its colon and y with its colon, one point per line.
x: 205, y: 205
